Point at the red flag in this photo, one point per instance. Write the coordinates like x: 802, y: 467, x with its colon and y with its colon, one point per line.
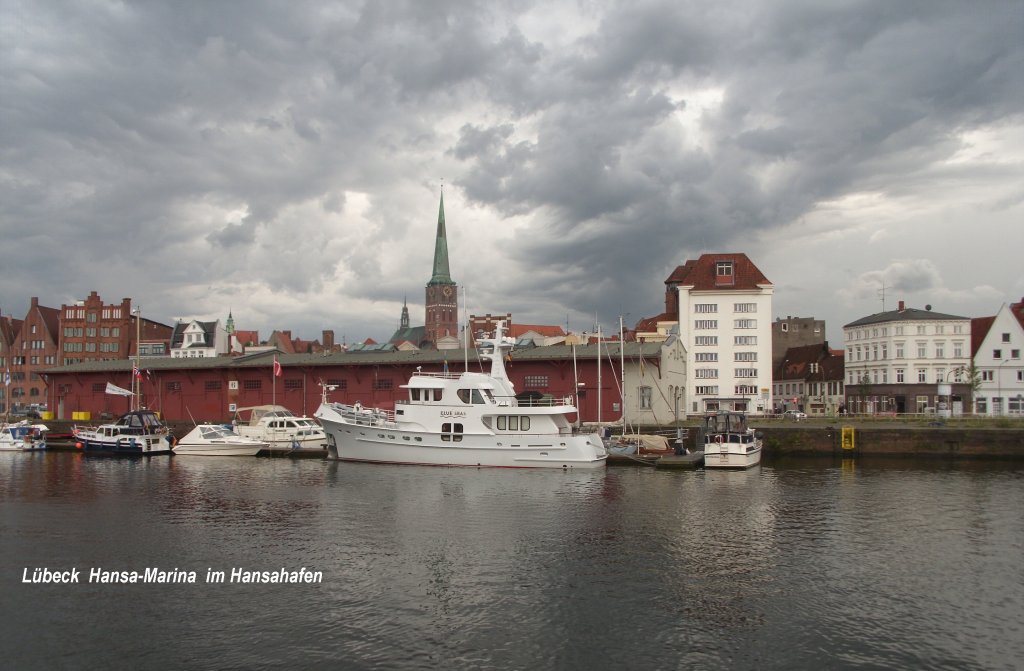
x: 277, y: 367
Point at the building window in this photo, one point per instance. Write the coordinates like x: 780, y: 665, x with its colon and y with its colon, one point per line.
x: 982, y: 406
x: 958, y: 350
x: 706, y: 373
x: 293, y: 383
x: 745, y: 323
x: 705, y: 308
x: 940, y: 350
x: 382, y: 384
x: 745, y: 356
x: 98, y: 387
x: 744, y: 340
x: 706, y: 324
x: 706, y: 341
x: 745, y: 372
x: 212, y: 385
x: 252, y: 384
x: 176, y: 386
x: 706, y: 356
x: 536, y: 381
x: 1006, y: 336
x: 987, y: 376
x: 899, y: 376
x: 744, y: 307
x: 723, y: 269
x: 338, y: 384
x: 1014, y: 353
x: 645, y: 398
x: 899, y: 350
x: 997, y: 354
x: 922, y: 375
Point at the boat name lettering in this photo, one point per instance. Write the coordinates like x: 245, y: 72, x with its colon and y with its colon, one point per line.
x: 453, y: 413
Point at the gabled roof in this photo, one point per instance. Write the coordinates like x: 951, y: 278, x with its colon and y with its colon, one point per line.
x: 701, y: 274
x: 416, y: 335
x: 178, y: 335
x: 908, y: 314
x: 979, y: 329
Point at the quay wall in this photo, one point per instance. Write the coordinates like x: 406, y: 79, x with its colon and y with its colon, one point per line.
x: 946, y: 442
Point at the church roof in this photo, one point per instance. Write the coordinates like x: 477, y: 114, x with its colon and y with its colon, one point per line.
x: 441, y: 275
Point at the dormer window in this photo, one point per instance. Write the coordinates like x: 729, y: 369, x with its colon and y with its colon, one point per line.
x: 724, y: 273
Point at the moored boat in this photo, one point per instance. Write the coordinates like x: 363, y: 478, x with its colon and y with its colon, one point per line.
x: 218, y: 440
x: 728, y: 442
x: 137, y: 433
x: 469, y: 419
x: 22, y: 437
x: 281, y: 429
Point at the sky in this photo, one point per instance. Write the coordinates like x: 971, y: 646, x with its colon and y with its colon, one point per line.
x: 283, y: 161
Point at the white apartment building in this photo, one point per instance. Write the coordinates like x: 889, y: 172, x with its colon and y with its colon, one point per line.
x: 197, y: 339
x: 724, y: 307
x: 998, y: 363
x: 896, y: 359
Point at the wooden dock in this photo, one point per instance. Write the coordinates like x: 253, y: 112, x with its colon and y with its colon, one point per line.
x: 681, y: 461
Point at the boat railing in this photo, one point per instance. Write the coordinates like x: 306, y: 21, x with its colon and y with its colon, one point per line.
x: 443, y: 376
x: 539, y: 402
x: 361, y: 416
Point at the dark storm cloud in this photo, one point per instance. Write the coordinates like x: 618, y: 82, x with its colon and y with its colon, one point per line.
x: 288, y: 154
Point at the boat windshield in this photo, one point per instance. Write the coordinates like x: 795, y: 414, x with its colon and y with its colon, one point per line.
x: 212, y: 432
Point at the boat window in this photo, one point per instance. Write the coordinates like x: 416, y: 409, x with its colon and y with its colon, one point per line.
x: 524, y: 423
x: 451, y: 432
x: 489, y: 396
x: 513, y: 423
x: 463, y: 395
x: 478, y: 398
x: 415, y: 394
x: 501, y: 422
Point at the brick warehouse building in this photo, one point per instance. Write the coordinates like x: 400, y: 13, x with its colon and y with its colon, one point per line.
x: 213, y: 388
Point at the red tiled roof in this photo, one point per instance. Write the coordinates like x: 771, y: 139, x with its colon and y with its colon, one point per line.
x: 701, y: 274
x: 979, y: 329
x: 650, y: 324
x: 517, y: 330
x: 1018, y: 311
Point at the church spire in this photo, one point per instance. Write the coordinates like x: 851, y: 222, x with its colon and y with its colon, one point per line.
x: 441, y: 273
x: 404, y: 323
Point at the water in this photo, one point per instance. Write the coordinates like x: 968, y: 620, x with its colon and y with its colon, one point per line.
x: 802, y: 564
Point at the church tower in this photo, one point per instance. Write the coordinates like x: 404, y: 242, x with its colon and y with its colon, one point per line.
x: 442, y: 302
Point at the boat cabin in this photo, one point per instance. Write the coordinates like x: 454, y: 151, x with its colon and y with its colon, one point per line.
x: 135, y: 422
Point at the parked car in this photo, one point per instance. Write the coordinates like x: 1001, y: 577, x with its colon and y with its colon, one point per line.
x: 794, y: 414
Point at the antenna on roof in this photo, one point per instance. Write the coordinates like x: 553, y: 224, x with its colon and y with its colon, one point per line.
x: 881, y: 292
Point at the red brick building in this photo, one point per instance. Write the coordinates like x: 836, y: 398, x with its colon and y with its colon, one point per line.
x: 33, y: 349
x: 212, y: 388
x: 92, y: 330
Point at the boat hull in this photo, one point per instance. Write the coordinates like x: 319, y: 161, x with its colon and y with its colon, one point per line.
x: 225, y: 450
x: 391, y: 446
x: 126, y: 447
x: 732, y: 456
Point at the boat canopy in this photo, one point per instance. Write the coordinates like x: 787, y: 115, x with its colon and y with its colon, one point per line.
x: 726, y: 422
x: 261, y: 411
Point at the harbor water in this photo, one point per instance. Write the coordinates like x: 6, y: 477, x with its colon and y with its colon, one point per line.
x: 792, y: 565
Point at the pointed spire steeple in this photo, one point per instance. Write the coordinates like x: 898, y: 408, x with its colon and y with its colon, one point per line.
x: 441, y: 274
x: 405, y: 313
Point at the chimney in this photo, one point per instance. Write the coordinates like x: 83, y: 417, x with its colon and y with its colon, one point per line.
x: 328, y: 340
x: 902, y: 306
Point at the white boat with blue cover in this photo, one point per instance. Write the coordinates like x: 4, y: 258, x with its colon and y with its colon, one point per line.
x: 137, y: 433
x: 467, y: 419
x: 22, y: 437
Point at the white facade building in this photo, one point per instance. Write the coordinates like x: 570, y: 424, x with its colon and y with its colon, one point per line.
x: 197, y: 339
x: 724, y: 303
x: 998, y: 363
x: 895, y: 361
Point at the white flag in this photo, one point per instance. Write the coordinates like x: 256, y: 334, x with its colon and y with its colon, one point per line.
x: 118, y: 391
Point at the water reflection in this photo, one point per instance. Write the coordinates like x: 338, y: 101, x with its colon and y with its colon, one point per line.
x: 803, y: 564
